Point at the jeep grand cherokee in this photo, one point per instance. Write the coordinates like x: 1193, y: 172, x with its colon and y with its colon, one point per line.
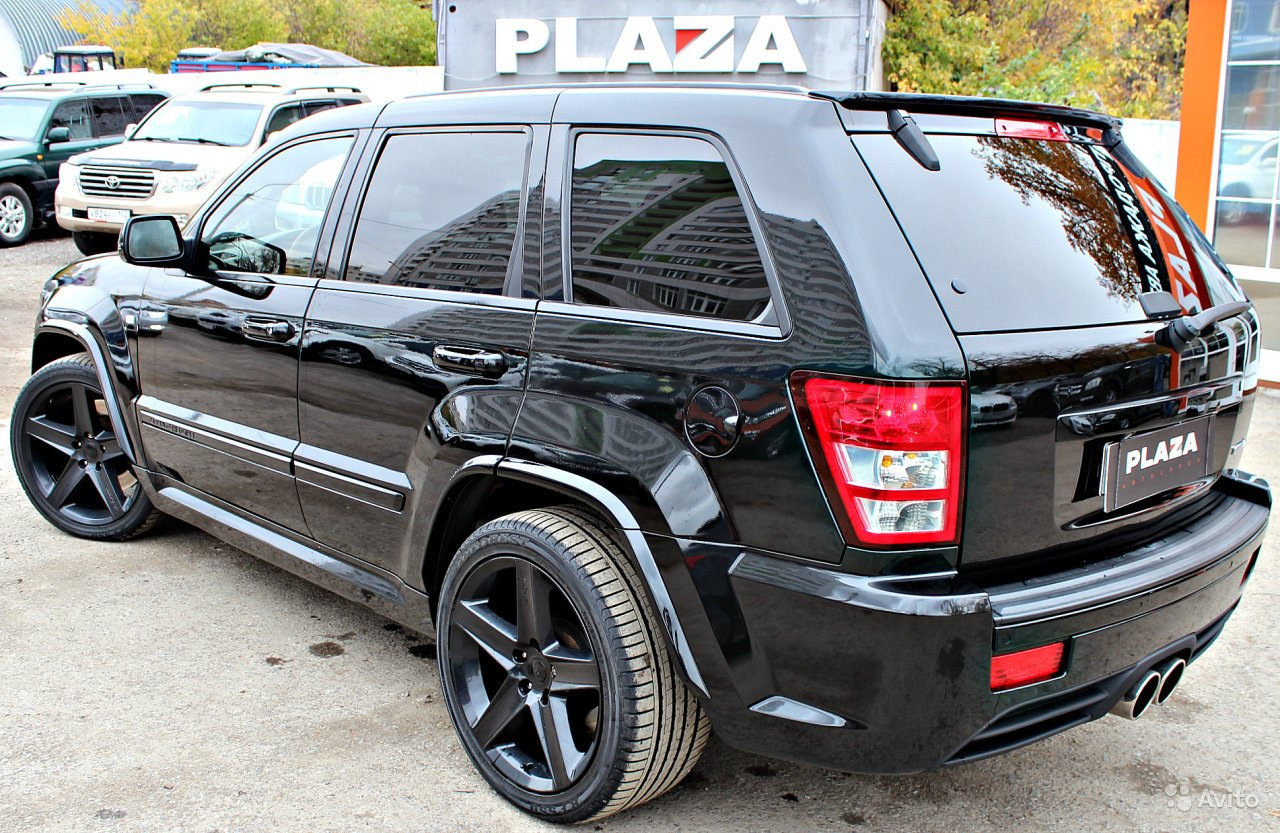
x: 881, y: 432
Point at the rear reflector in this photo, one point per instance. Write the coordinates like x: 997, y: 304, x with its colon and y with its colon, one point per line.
x: 893, y: 452
x: 1033, y: 665
x: 1046, y: 131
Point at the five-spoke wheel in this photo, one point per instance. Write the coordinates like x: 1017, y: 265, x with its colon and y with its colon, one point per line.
x: 554, y: 672
x: 69, y: 459
x: 528, y: 679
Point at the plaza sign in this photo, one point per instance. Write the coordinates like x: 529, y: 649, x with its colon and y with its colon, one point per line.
x: 703, y: 44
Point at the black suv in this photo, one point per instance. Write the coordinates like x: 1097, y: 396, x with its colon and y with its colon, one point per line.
x: 882, y: 432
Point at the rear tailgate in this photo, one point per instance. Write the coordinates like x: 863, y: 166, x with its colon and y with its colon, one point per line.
x: 1082, y: 424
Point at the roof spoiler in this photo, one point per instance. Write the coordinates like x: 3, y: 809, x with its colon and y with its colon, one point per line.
x: 959, y: 105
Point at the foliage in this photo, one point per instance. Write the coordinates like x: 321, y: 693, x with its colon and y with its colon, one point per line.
x: 150, y: 32
x: 1123, y: 56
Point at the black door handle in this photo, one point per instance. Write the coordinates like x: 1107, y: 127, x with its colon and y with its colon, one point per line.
x: 267, y: 329
x: 469, y: 360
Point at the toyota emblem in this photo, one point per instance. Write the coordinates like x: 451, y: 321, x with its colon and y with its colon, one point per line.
x: 113, y: 182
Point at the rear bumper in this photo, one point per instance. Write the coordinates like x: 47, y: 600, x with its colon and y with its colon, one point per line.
x: 892, y: 675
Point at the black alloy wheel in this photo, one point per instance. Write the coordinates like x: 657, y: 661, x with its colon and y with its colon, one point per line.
x: 528, y: 681
x: 69, y: 459
x: 554, y: 671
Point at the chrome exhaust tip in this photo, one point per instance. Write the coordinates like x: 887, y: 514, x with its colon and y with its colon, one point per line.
x: 1170, y: 676
x: 1138, y: 699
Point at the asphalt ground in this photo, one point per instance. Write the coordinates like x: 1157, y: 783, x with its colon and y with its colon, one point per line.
x: 176, y: 684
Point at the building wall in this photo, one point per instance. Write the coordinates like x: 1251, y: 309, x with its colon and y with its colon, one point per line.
x: 833, y: 44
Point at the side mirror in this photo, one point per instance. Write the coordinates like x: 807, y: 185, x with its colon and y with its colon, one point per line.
x: 152, y: 240
x: 128, y: 130
x: 57, y: 135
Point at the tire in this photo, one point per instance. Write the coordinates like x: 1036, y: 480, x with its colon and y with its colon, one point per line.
x: 16, y: 214
x: 68, y: 459
x: 647, y: 729
x: 94, y: 242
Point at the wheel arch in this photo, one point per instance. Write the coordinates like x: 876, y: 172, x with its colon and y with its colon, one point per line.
x: 58, y: 338
x: 481, y: 493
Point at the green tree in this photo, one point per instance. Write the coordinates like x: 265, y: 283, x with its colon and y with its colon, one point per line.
x: 150, y: 32
x: 1124, y: 56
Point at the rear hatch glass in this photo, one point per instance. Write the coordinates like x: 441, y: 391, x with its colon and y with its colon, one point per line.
x: 1084, y: 430
x: 1020, y: 234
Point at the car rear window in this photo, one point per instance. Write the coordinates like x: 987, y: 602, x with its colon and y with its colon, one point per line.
x: 1019, y: 234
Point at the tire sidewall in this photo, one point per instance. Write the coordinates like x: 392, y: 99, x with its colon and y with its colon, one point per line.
x: 597, y: 785
x: 36, y: 388
x: 10, y: 189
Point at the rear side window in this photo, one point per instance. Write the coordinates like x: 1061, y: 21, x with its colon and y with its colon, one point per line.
x: 109, y: 116
x: 441, y: 212
x: 1019, y: 234
x: 284, y: 117
x: 656, y: 224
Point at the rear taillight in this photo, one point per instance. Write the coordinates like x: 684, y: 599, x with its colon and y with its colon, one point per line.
x: 1046, y: 131
x: 893, y: 452
x: 1034, y: 665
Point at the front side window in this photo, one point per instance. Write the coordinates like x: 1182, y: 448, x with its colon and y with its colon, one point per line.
x: 657, y: 224
x: 207, y: 122
x: 285, y: 116
x: 74, y: 116
x: 441, y: 212
x: 270, y: 222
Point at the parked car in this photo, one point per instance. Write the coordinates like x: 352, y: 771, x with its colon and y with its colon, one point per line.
x: 1248, y: 172
x: 672, y: 409
x: 179, y: 155
x: 42, y: 124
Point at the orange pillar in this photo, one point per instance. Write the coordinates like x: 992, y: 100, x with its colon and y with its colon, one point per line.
x: 1202, y: 77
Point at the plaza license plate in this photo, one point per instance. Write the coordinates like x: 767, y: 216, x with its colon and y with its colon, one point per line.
x: 1147, y: 464
x: 108, y: 215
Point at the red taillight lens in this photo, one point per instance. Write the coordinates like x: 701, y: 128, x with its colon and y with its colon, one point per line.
x: 1033, y: 665
x: 894, y: 452
x: 1047, y: 131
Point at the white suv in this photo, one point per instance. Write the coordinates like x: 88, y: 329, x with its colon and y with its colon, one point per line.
x: 179, y: 154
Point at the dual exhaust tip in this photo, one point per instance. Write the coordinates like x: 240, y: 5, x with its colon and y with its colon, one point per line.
x: 1153, y: 689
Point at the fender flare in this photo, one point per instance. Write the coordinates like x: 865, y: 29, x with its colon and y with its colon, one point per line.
x: 614, y: 509
x: 101, y: 365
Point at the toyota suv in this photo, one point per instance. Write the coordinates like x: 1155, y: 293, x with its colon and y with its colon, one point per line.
x: 176, y: 157
x: 42, y: 124
x: 880, y: 432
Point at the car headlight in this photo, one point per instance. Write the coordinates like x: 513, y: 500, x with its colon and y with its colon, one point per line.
x: 183, y: 183
x: 69, y: 174
x: 1092, y: 383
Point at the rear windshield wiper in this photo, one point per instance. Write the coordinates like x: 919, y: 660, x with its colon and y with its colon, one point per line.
x: 1184, y: 329
x: 913, y: 140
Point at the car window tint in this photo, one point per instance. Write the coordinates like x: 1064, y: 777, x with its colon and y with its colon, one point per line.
x: 144, y: 103
x: 109, y: 116
x: 270, y: 221
x: 284, y: 117
x: 73, y: 115
x: 441, y: 212
x: 656, y: 224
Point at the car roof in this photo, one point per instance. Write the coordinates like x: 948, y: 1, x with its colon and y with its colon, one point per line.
x: 58, y: 90
x: 530, y: 104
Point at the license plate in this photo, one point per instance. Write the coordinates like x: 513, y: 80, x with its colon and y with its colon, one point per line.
x: 1147, y: 464
x: 108, y: 215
